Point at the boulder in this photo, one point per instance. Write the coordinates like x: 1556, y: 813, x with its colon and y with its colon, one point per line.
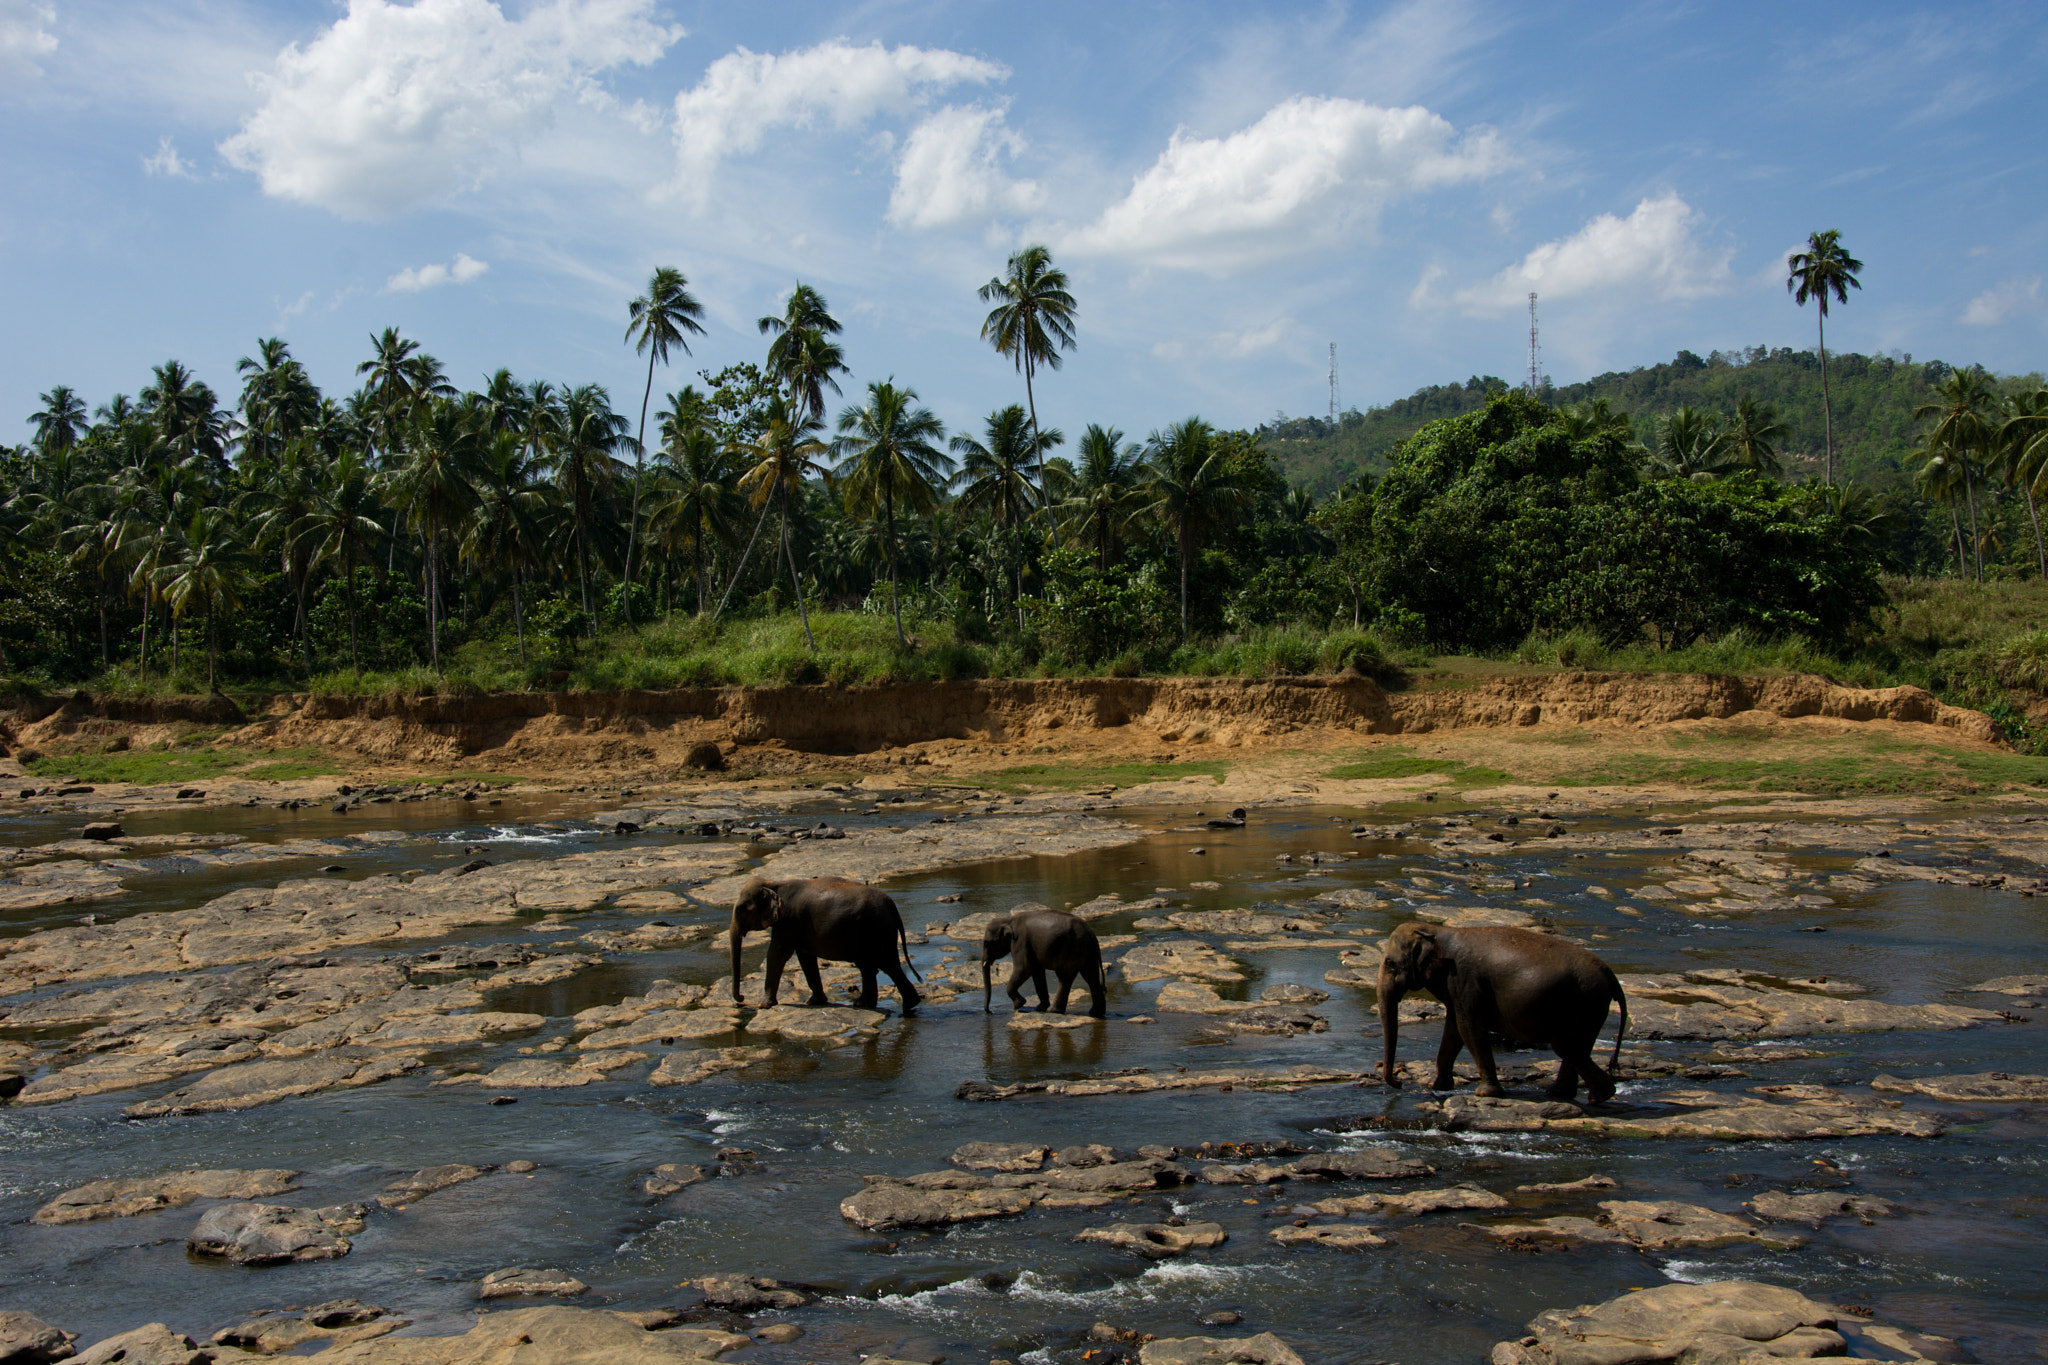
x: 337, y: 1322
x: 1338, y: 1236
x: 746, y: 1293
x: 1374, y: 1163
x: 1263, y: 1349
x: 151, y: 1344
x: 266, y: 1234
x: 126, y: 1197
x: 1649, y: 1225
x: 1814, y: 1209
x: 1734, y: 1320
x: 893, y: 1205
x: 521, y: 1283
x: 26, y: 1339
x: 669, y: 1177
x: 103, y: 830
x: 705, y: 756
x: 999, y: 1156
x: 1156, y: 1241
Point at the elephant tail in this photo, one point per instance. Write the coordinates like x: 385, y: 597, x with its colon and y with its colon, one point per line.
x: 903, y: 936
x: 1621, y: 998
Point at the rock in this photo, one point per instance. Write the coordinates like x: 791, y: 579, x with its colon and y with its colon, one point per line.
x: 556, y: 1335
x: 520, y: 1283
x: 124, y: 1198
x: 1814, y: 1209
x: 1186, y: 959
x: 521, y: 1167
x: 820, y: 1023
x: 746, y: 1293
x: 151, y: 1344
x: 1978, y: 1088
x: 1649, y: 1225
x: 1374, y: 1163
x: 1280, y: 1080
x: 1338, y: 1236
x: 779, y: 1333
x: 1290, y: 993
x: 1086, y: 1154
x: 893, y: 1205
x: 27, y: 1340
x: 1591, y: 1182
x: 1263, y: 1349
x: 1415, y: 1202
x: 335, y: 1323
x: 254, y: 1083
x: 422, y: 1183
x: 2012, y: 985
x: 1156, y: 1241
x: 341, y: 1313
x: 1221, y: 1317
x: 705, y: 756
x: 999, y: 1156
x: 688, y: 1068
x: 1731, y: 1004
x: 667, y: 1178
x: 1695, y: 1114
x: 102, y: 830
x: 267, y: 1234
x: 1146, y: 1173
x: 1729, y: 1321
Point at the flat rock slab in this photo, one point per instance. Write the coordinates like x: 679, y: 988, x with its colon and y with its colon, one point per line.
x: 420, y: 1184
x: 26, y: 1339
x: 521, y: 1283
x: 819, y: 1023
x: 1815, y: 1209
x: 124, y: 1198
x: 1711, y: 1005
x: 747, y: 1293
x: 1157, y: 1241
x: 452, y: 1030
x: 1282, y: 1080
x: 1263, y: 1349
x: 1648, y: 1225
x: 1727, y: 1321
x: 1475, y: 916
x: 267, y: 1234
x: 150, y: 1344
x: 1704, y: 1115
x: 558, y: 1335
x: 1183, y: 959
x: 1337, y: 1236
x: 1415, y: 1202
x: 688, y: 1068
x: 1982, y: 1087
x: 883, y: 1206
x: 1030, y: 1021
x: 1000, y: 1156
x: 663, y: 1027
x: 532, y: 1073
x: 671, y: 1177
x: 256, y: 1083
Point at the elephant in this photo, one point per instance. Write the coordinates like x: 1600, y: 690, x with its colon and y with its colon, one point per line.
x: 1038, y: 940
x: 1510, y: 985
x: 829, y: 918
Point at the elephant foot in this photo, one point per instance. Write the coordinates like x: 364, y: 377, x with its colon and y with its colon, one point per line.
x: 815, y: 1001
x: 1444, y: 1083
x: 1558, y: 1092
x: 1600, y: 1096
x: 1490, y: 1090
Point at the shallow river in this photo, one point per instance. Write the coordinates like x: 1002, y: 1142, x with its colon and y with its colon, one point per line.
x: 1966, y: 1259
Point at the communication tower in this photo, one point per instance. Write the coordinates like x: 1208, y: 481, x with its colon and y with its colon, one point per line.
x: 1534, y: 354
x: 1333, y: 384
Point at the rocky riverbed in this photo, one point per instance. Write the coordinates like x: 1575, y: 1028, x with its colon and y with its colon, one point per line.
x: 494, y: 1059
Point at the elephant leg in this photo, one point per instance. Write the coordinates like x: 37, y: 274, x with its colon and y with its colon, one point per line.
x: 866, y: 999
x: 1447, y: 1055
x: 1015, y: 990
x: 1059, y: 1006
x: 809, y: 961
x: 1482, y: 1056
x: 1571, y: 1064
x: 1038, y: 984
x: 1098, y: 997
x: 1599, y: 1084
x: 904, y: 989
x: 778, y: 957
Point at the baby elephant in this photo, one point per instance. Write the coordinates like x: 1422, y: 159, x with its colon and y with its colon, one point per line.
x: 1038, y: 940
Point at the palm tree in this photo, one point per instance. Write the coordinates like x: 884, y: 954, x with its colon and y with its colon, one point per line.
x: 1962, y: 434
x: 696, y: 482
x: 189, y: 418
x: 339, y: 526
x: 211, y: 572
x: 1105, y: 490
x: 888, y: 454
x: 60, y: 422
x: 1689, y: 444
x: 995, y: 478
x: 587, y: 470
x: 1193, y: 490
x: 658, y: 320
x: 784, y: 455
x: 434, y: 485
x: 280, y: 495
x: 1751, y: 442
x: 279, y: 401
x: 504, y: 531
x: 1823, y: 268
x: 1032, y: 321
x: 1940, y: 479
x: 2024, y: 441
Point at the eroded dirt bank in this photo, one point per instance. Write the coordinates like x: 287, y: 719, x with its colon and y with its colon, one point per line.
x: 535, y: 731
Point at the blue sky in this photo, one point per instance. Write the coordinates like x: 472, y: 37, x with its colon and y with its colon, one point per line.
x: 1232, y: 187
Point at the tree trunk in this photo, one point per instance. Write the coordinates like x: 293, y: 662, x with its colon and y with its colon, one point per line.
x: 1827, y: 409
x: 518, y: 616
x: 697, y: 559
x: 104, y: 662
x: 1956, y: 521
x: 1976, y: 543
x: 433, y: 596
x: 741, y: 567
x: 895, y: 603
x: 1186, y: 553
x: 796, y: 583
x: 1037, y: 445
x: 142, y: 659
x: 355, y: 660
x: 639, y: 466
x: 2040, y: 549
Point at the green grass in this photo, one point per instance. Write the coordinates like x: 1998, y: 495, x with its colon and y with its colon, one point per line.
x: 1077, y: 777
x: 146, y: 766
x: 290, y: 770
x: 1877, y: 769
x: 1394, y: 761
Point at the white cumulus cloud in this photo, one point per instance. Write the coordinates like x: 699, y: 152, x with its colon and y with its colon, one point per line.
x: 949, y: 171
x: 1310, y: 171
x: 2008, y: 298
x: 165, y: 161
x: 1654, y: 255
x: 743, y: 96
x: 412, y: 280
x: 25, y: 35
x: 395, y: 105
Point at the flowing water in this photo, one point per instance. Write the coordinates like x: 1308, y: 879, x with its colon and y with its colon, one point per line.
x: 1966, y: 1259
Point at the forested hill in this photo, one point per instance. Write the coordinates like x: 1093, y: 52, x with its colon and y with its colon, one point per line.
x: 1874, y: 398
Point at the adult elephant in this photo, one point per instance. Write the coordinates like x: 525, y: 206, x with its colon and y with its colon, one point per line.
x: 829, y: 918
x: 1037, y: 941
x: 1510, y: 985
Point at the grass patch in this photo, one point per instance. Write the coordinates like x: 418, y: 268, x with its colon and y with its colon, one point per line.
x: 1398, y: 762
x: 1075, y: 777
x: 291, y: 770
x: 146, y: 766
x: 1877, y: 769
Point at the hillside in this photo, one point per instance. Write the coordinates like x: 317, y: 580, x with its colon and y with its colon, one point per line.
x: 1874, y: 398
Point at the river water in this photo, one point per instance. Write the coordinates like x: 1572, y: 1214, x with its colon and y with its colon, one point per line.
x: 1965, y: 1260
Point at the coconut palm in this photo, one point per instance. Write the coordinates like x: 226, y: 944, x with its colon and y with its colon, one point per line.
x: 1751, y: 440
x: 783, y: 457
x: 341, y: 526
x: 1193, y: 490
x: 659, y: 318
x: 995, y: 480
x: 1822, y: 269
x: 210, y: 573
x: 697, y: 499
x: 279, y: 401
x: 587, y: 470
x: 281, y: 493
x: 189, y: 418
x: 889, y: 456
x: 1107, y: 472
x: 1689, y: 444
x: 60, y: 422
x: 433, y: 484
x: 505, y: 529
x: 2023, y: 443
x: 1032, y: 321
x: 1964, y: 410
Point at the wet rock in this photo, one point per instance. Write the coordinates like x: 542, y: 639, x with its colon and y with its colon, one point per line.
x: 1033, y: 1022
x: 256, y: 1083
x: 1374, y: 1163
x: 1728, y: 1321
x: 1291, y: 993
x: 338, y: 1322
x: 1415, y: 1202
x: 102, y: 830
x: 1283, y: 1080
x: 126, y: 1197
x: 1591, y: 1182
x: 1286, y: 1020
x: 1649, y: 1225
x: 1146, y: 1173
x: 1725, y: 1004
x: 1156, y: 1241
x: 670, y: 1177
x: 999, y: 1156
x: 747, y: 1293
x: 559, y: 1335
x: 150, y: 1344
x: 531, y: 1073
x: 1815, y: 1209
x: 1263, y: 1349
x: 522, y: 1283
x: 1184, y: 959
x: 824, y: 1023
x: 1476, y: 917
x: 1337, y: 1236
x: 1084, y: 1154
x: 895, y: 1205
x: 688, y: 1068
x: 1696, y: 1114
x: 420, y: 1184
x: 2012, y: 985
x: 266, y: 1234
x: 779, y: 1333
x: 1978, y: 1088
x: 1222, y: 1317
x: 26, y: 1339
x: 451, y: 1030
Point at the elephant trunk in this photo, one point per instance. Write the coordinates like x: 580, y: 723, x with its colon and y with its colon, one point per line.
x: 1390, y: 993
x: 986, y: 963
x: 738, y: 937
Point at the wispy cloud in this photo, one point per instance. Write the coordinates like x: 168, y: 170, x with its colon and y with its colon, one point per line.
x: 2009, y: 298
x: 165, y: 161
x: 1654, y: 254
x: 951, y: 172
x: 412, y: 280
x: 25, y: 35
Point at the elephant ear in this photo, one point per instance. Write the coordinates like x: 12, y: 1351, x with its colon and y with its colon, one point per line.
x: 1429, y: 954
x: 774, y: 906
